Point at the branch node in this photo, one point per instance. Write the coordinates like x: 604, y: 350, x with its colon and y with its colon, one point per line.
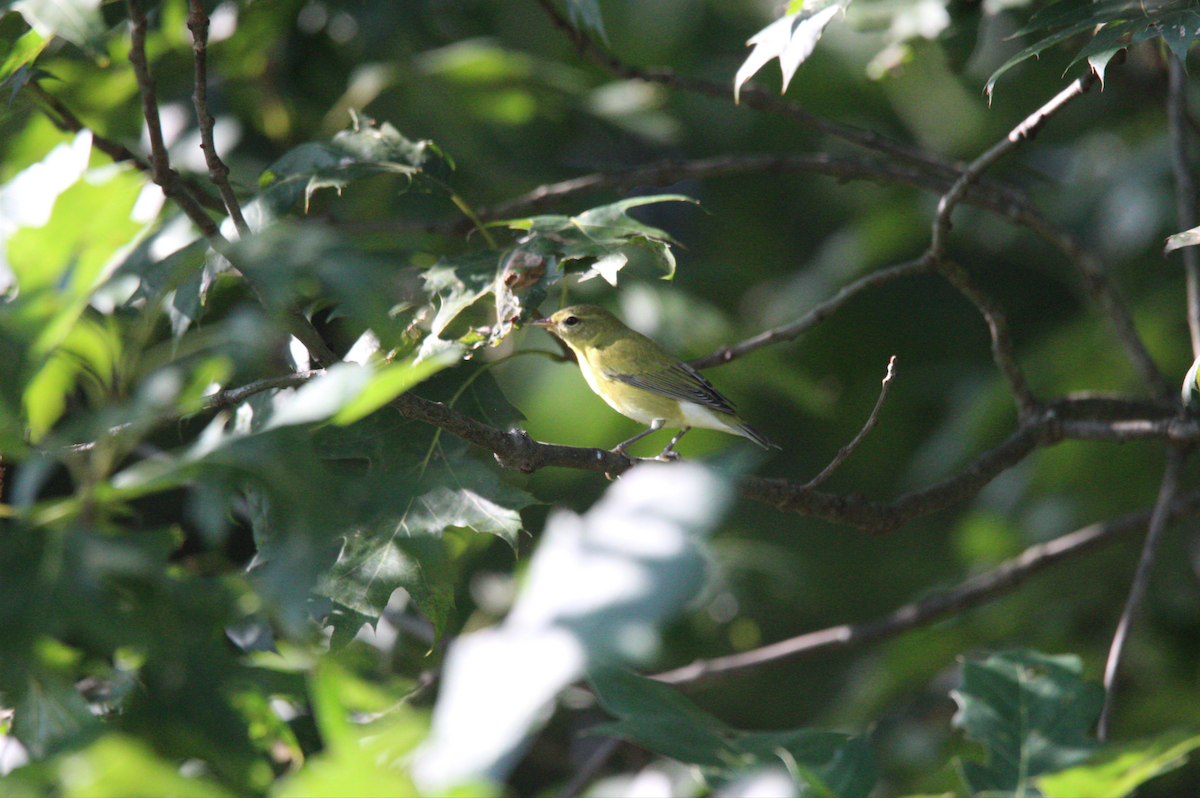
x: 524, y: 455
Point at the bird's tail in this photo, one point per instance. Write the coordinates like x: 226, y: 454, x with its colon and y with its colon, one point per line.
x: 750, y: 432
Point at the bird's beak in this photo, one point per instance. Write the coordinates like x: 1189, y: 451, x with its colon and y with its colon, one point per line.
x: 543, y: 323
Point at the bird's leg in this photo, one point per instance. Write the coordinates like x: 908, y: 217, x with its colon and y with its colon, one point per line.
x: 655, y: 426
x: 669, y: 452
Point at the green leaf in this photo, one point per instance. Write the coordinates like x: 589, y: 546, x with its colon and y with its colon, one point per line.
x: 363, y: 151
x: 458, y: 283
x: 1119, y: 770
x: 830, y: 763
x: 1179, y: 31
x: 658, y: 717
x: 376, y: 561
x: 1033, y: 50
x: 1124, y: 34
x: 69, y: 229
x: 89, y: 347
x: 1171, y: 19
x: 405, y: 550
x: 50, y: 714
x: 293, y: 264
x: 1031, y: 712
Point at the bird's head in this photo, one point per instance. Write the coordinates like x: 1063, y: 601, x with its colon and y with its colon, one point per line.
x: 582, y: 325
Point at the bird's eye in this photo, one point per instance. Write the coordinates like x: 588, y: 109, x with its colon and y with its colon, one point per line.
x: 570, y: 321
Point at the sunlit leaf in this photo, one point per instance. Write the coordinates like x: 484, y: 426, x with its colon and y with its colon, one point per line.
x: 1117, y: 772
x: 118, y: 764
x: 598, y: 588
x: 18, y: 49
x: 78, y: 21
x: 385, y: 384
x: 1188, y: 238
x: 90, y: 348
x: 64, y: 229
x: 791, y: 39
x: 604, y: 233
x: 358, y: 758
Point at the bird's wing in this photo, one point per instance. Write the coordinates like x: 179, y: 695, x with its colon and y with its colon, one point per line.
x: 678, y: 381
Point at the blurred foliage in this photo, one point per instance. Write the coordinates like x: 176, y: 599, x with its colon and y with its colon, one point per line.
x: 218, y: 578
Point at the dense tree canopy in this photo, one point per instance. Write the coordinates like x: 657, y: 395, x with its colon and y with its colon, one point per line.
x: 295, y: 501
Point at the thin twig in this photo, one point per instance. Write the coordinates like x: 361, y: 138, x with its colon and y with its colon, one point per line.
x: 1094, y: 277
x: 1176, y: 456
x: 671, y: 171
x: 1185, y: 188
x: 1003, y: 349
x: 233, y: 396
x: 976, y: 590
x: 164, y: 176
x: 668, y: 172
x: 65, y: 119
x: 1096, y: 282
x: 814, y: 316
x: 1019, y: 134
x: 217, y: 170
x: 849, y: 448
x: 160, y: 165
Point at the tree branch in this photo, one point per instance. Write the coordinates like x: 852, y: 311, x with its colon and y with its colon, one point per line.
x: 1077, y: 417
x: 1003, y: 350
x: 667, y: 172
x: 217, y: 170
x: 1018, y: 135
x: 849, y: 448
x: 974, y: 591
x: 1176, y: 456
x: 752, y: 96
x: 814, y: 316
x: 1104, y: 293
x: 168, y: 180
x: 64, y: 119
x: 1094, y: 278
x: 233, y: 396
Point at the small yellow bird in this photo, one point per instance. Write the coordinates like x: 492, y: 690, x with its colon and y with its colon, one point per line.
x: 641, y: 380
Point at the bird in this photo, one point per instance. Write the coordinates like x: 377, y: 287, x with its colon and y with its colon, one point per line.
x: 642, y: 381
